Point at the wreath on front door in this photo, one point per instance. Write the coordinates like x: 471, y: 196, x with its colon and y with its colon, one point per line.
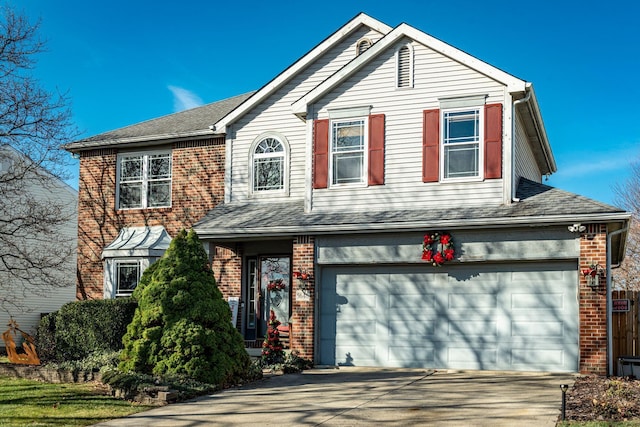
x: 437, y: 248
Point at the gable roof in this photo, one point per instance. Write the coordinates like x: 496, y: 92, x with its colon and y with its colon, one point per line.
x: 219, y: 126
x: 512, y: 83
x: 185, y: 124
x: 539, y: 205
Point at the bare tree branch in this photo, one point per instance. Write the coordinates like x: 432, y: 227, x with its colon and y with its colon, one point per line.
x: 628, y: 197
x: 36, y: 246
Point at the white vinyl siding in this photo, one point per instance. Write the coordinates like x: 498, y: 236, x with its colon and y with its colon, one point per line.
x: 435, y: 77
x: 525, y: 162
x: 64, y: 238
x: 274, y: 115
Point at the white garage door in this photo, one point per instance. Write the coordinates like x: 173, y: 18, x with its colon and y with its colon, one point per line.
x: 496, y: 317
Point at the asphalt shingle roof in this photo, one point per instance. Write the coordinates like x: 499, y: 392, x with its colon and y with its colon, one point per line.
x: 536, y: 201
x: 179, y: 124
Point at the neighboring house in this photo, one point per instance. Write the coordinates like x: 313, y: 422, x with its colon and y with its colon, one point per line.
x: 44, y: 279
x: 326, y: 181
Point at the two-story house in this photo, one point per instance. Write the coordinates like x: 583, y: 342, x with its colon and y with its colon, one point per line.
x: 383, y: 195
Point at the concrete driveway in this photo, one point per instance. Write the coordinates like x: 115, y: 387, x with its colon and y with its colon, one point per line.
x: 365, y: 397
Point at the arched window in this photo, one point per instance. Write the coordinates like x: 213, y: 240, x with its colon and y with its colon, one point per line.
x: 404, y: 60
x: 363, y: 44
x: 269, y: 165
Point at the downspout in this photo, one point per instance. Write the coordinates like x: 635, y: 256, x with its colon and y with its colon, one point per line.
x: 514, y: 185
x: 609, y: 301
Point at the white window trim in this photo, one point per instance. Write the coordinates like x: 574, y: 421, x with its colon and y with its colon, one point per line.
x: 480, y: 176
x: 116, y: 276
x: 411, y: 65
x: 365, y: 157
x: 145, y: 179
x: 286, y: 162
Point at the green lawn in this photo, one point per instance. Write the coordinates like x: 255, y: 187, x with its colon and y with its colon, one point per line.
x: 34, y: 403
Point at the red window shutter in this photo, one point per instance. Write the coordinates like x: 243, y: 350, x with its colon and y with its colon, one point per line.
x: 493, y: 141
x: 430, y: 145
x: 376, y: 149
x: 320, y: 153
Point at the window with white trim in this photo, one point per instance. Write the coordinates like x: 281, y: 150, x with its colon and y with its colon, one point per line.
x: 461, y: 143
x: 127, y: 276
x: 144, y: 180
x: 348, y: 151
x: 404, y: 67
x: 269, y: 169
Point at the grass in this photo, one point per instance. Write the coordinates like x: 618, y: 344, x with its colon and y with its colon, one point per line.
x: 34, y: 403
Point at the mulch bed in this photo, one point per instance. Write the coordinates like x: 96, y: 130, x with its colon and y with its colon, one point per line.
x: 594, y: 398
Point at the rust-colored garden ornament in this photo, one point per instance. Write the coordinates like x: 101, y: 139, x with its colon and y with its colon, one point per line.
x: 29, y: 357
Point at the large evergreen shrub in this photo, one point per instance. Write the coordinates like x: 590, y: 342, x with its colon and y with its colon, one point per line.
x: 81, y: 328
x: 182, y: 324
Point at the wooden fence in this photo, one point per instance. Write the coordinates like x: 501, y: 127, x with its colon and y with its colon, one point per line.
x: 625, y: 325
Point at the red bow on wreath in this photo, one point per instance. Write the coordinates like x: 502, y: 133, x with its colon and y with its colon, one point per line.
x: 437, y: 248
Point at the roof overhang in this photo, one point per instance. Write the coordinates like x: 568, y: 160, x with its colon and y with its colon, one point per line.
x: 138, y: 141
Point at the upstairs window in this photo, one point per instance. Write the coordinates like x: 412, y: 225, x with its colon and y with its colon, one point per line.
x: 144, y: 181
x: 269, y: 168
x: 348, y: 145
x: 461, y: 143
x: 362, y: 46
x: 404, y: 72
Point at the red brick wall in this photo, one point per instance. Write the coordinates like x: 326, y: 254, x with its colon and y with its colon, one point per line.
x: 593, y: 303
x: 197, y: 187
x: 302, y: 338
x: 227, y: 269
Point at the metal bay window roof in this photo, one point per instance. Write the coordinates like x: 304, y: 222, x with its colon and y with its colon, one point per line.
x: 138, y: 241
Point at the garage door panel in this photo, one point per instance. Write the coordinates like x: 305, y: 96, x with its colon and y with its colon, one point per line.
x: 472, y: 358
x: 411, y: 356
x: 473, y: 328
x: 537, y: 358
x: 538, y: 329
x: 536, y: 301
x: 477, y: 316
x: 472, y: 301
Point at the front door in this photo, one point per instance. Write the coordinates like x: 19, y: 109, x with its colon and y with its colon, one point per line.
x: 268, y: 287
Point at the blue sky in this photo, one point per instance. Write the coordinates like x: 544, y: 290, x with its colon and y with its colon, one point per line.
x: 125, y: 61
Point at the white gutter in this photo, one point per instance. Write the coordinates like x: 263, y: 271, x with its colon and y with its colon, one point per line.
x: 609, y: 301
x: 514, y: 186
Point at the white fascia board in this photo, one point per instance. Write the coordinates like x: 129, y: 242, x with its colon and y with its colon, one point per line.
x: 512, y: 83
x: 480, y: 223
x: 361, y: 19
x: 544, y: 140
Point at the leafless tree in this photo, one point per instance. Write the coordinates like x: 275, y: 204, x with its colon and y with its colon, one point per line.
x: 34, y: 209
x: 628, y: 197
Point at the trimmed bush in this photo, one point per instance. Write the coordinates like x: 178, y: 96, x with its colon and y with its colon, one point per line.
x: 182, y: 325
x: 82, y: 328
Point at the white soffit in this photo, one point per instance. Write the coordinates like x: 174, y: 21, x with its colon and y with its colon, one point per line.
x: 138, y: 241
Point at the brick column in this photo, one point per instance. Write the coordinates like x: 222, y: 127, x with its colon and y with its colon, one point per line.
x: 593, y: 302
x: 302, y: 319
x: 226, y: 264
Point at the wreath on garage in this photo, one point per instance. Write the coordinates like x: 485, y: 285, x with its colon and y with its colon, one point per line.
x: 437, y: 248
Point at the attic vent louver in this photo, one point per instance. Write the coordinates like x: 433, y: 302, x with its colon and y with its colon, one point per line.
x: 404, y: 67
x: 363, y: 45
